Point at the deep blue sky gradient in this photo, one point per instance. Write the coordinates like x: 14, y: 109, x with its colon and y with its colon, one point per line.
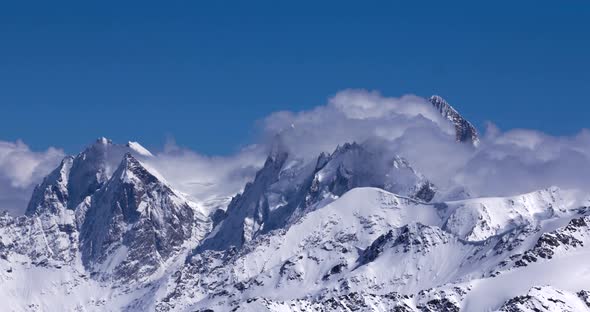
x: 204, y: 72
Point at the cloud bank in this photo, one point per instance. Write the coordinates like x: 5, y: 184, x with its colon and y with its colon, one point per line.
x: 209, y: 180
x: 505, y: 162
x: 353, y: 115
x: 20, y: 170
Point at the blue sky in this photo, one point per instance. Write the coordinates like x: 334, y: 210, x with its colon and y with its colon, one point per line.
x: 205, y: 72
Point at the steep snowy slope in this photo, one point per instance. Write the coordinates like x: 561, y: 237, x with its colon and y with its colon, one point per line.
x: 286, y: 189
x: 104, y: 253
x: 481, y: 218
x: 356, y: 230
x: 298, y: 261
x: 349, y: 246
x: 76, y: 178
x: 335, y: 258
x: 135, y: 223
x: 80, y: 176
x: 547, y: 298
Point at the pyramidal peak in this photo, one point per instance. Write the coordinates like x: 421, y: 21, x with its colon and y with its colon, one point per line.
x: 139, y: 149
x: 134, y: 223
x: 131, y: 170
x: 465, y: 132
x: 82, y: 175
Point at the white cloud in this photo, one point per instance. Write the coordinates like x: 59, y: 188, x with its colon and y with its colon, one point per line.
x: 362, y: 104
x: 353, y: 115
x: 20, y: 170
x: 518, y: 161
x: 207, y: 178
x: 505, y: 163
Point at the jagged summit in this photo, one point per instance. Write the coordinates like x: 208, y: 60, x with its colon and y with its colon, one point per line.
x: 464, y: 130
x: 134, y: 223
x: 52, y: 194
x: 78, y: 177
x: 132, y: 171
x: 139, y: 149
x: 104, y: 231
x: 249, y: 210
x: 283, y: 192
x: 75, y: 178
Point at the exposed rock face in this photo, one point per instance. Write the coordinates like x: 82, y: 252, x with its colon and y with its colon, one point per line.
x: 562, y: 240
x: 248, y: 211
x: 125, y: 223
x: 355, y: 165
x: 464, y: 130
x: 52, y: 195
x: 353, y: 301
x: 41, y: 239
x: 547, y: 299
x: 76, y: 178
x: 54, y: 218
x: 137, y: 219
x: 416, y: 238
x: 354, y: 230
x: 286, y: 189
x: 427, y: 301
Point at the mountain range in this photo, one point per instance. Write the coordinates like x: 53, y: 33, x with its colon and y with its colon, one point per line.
x: 355, y: 229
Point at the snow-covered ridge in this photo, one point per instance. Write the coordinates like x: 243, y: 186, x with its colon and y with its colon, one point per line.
x: 286, y: 189
x: 136, y: 219
x: 346, y: 246
x: 547, y: 298
x: 80, y: 176
x: 481, y: 218
x: 105, y: 231
x: 139, y: 149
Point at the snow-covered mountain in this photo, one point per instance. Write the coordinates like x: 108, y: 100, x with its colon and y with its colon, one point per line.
x: 286, y: 189
x: 79, y: 177
x: 359, y: 229
x: 133, y: 224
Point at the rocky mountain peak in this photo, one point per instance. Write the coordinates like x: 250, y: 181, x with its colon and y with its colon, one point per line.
x: 134, y: 217
x: 52, y: 196
x: 280, y: 195
x: 139, y: 149
x: 80, y: 176
x: 464, y: 130
x: 133, y: 172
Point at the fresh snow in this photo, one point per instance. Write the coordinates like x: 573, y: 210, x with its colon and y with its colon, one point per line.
x: 356, y: 230
x: 139, y: 149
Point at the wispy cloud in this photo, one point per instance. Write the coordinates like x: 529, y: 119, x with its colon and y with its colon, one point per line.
x: 207, y: 178
x: 20, y: 170
x: 505, y: 163
x: 353, y: 115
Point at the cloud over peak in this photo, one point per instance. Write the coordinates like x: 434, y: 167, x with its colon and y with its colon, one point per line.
x: 505, y: 162
x: 20, y: 170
